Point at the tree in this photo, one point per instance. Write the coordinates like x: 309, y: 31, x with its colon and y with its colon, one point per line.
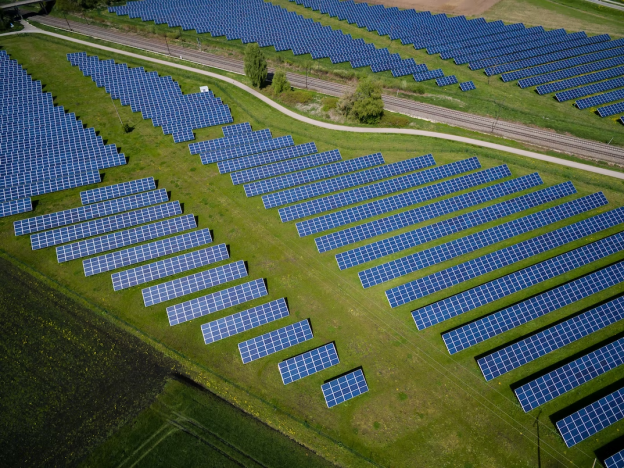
x: 365, y: 104
x: 255, y: 65
x: 280, y: 83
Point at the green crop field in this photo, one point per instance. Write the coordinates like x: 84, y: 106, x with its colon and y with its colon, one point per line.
x: 424, y: 408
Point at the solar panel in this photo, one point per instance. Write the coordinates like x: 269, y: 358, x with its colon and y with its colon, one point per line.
x: 15, y: 207
x: 523, y: 312
x: 572, y: 375
x: 231, y: 130
x: 592, y: 419
x: 117, y: 190
x: 535, y: 346
x: 308, y: 363
x: 515, y: 253
x: 401, y: 200
x: 378, y: 189
x: 344, y: 388
x: 103, y: 225
x: 246, y: 150
x: 446, y: 227
x: 120, y: 239
x: 227, y: 142
x: 193, y: 283
x: 215, y: 302
x: 514, y: 282
x: 467, y: 86
x: 142, y: 253
x: 84, y: 213
x: 447, y: 80
x: 245, y: 320
x: 49, y: 186
x: 453, y: 249
x: 346, y: 181
x: 615, y: 461
x: 170, y: 266
x: 580, y: 80
x: 290, y: 165
x: 277, y: 340
x: 254, y: 160
x: 611, y: 110
x: 591, y: 89
x: 600, y: 99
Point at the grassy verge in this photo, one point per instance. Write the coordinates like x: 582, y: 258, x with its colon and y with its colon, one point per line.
x: 424, y: 408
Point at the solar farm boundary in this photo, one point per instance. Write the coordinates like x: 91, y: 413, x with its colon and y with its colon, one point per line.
x: 462, y: 384
x: 518, y: 132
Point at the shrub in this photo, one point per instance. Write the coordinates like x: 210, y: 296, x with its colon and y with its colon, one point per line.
x: 394, y: 120
x: 297, y: 96
x: 365, y: 104
x: 418, y: 89
x: 329, y: 103
x: 280, y: 83
x: 255, y: 65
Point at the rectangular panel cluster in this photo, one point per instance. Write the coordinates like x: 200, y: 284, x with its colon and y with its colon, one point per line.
x: 447, y: 80
x: 344, y: 388
x: 589, y: 90
x: 49, y: 186
x: 170, y: 266
x: 467, y: 86
x: 193, y: 283
x: 275, y: 341
x: 600, y: 99
x: 580, y: 80
x: 226, y: 142
x: 615, y: 461
x: 245, y: 320
x: 117, y: 190
x: 22, y: 205
x: 142, y: 253
x: 215, y: 302
x: 309, y: 363
x: 246, y: 150
x: 254, y: 160
x: 236, y: 129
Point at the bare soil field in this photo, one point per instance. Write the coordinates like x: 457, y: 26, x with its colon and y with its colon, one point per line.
x: 455, y: 7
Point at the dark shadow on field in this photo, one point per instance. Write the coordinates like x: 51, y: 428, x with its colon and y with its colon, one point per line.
x: 345, y: 373
x: 610, y: 449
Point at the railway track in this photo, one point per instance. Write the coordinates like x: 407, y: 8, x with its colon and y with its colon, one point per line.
x: 487, y: 125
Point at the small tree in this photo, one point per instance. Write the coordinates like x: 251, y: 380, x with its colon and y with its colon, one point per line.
x: 280, y: 83
x: 365, y: 104
x: 255, y: 65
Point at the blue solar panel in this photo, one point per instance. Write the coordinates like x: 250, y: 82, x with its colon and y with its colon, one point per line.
x: 120, y: 239
x: 227, y: 142
x: 592, y: 419
x: 375, y: 190
x: 168, y: 267
x: 600, y: 99
x: 572, y: 375
x: 518, y: 281
x: 215, y: 302
x: 615, y: 461
x: 591, y: 89
x: 193, y: 283
x: 308, y: 363
x: 245, y: 320
x: 266, y: 158
x: 15, y: 207
x: 84, y: 213
x: 535, y: 346
x: 142, y: 253
x: 402, y: 200
x: 100, y: 226
x: 290, y: 165
x: 453, y: 249
x: 117, y: 190
x: 344, y: 388
x: 277, y: 340
x: 449, y: 226
x: 523, y: 312
x: 578, y: 80
x: 447, y: 80
x: 49, y: 186
x: 508, y: 256
x: 611, y: 110
x: 467, y: 86
x: 246, y: 150
x: 231, y: 130
x: 346, y: 181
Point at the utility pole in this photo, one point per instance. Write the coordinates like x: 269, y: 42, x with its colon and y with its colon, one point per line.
x: 167, y: 42
x: 67, y: 22
x: 610, y: 141
x: 120, y: 121
x: 198, y: 45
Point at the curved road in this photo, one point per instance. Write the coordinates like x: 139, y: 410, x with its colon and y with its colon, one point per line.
x: 31, y: 29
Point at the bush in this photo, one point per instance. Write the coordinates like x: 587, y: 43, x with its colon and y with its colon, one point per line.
x: 255, y: 65
x: 418, y: 89
x: 394, y: 120
x: 365, y: 104
x: 298, y: 96
x: 280, y: 83
x: 5, y: 21
x: 329, y: 103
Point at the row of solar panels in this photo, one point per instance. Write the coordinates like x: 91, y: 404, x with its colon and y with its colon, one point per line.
x: 311, y: 183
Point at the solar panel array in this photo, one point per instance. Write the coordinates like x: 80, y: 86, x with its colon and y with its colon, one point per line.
x: 246, y: 320
x: 168, y: 267
x: 523, y: 312
x: 216, y: 301
x: 612, y: 110
x: 447, y: 80
x: 308, y: 363
x: 196, y: 282
x: 157, y: 97
x: 43, y: 149
x: 467, y: 86
x: 117, y: 190
x: 444, y: 252
x: 236, y: 129
x: 344, y: 388
x: 605, y: 98
x: 578, y: 81
x: 615, y: 461
x: 245, y: 150
x: 593, y: 418
x: 572, y: 375
x: 535, y: 346
x: 515, y: 282
x: 275, y: 341
x: 591, y: 89
x: 254, y: 160
x: 142, y: 253
x: 227, y: 142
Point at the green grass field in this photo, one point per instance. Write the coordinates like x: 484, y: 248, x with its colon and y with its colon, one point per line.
x: 424, y: 407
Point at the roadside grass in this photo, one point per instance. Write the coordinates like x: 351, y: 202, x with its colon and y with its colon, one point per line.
x: 424, y: 407
x: 492, y: 97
